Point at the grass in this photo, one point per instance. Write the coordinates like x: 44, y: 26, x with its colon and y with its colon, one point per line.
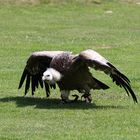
x: 26, y: 28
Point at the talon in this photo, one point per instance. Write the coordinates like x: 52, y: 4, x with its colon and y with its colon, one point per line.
x: 76, y: 97
x: 83, y: 96
x: 87, y: 97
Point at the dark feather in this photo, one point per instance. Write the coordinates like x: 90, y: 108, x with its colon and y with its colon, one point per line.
x: 27, y: 86
x: 40, y: 81
x: 24, y: 74
x: 53, y: 86
x: 36, y: 81
x: 47, y: 89
x: 101, y: 84
x: 33, y: 85
x: 122, y: 82
x: 119, y: 73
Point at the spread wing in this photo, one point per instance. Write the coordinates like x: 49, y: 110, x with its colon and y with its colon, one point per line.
x: 96, y: 61
x: 36, y: 64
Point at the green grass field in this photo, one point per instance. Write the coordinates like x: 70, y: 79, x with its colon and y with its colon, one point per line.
x: 110, y: 27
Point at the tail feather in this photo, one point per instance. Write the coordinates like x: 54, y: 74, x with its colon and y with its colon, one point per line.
x: 101, y: 85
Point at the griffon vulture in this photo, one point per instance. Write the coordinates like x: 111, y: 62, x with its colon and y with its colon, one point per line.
x: 70, y: 72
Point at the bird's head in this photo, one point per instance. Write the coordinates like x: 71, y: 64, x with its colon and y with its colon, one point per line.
x: 51, y: 76
x: 47, y: 76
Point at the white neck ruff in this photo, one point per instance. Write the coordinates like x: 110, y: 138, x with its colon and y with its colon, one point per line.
x: 56, y: 74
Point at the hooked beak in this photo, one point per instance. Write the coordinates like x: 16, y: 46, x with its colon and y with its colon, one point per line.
x: 43, y: 78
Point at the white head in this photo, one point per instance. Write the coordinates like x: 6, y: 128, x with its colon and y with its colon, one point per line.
x: 51, y: 75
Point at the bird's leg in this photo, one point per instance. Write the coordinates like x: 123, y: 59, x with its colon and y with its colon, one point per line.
x: 87, y: 95
x: 65, y: 96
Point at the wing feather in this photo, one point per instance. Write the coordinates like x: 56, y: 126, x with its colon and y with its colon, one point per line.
x: 24, y: 74
x: 36, y: 64
x: 33, y: 85
x: 95, y: 60
x: 40, y: 81
x: 27, y: 86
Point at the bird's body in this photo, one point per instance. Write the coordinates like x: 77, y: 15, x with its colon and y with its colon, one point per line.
x: 74, y: 78
x: 71, y: 72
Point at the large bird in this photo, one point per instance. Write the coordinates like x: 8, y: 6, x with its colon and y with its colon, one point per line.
x: 70, y: 72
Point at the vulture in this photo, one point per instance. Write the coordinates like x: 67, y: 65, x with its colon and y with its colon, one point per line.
x: 70, y: 72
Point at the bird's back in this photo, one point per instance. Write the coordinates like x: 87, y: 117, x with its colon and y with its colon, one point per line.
x: 62, y: 62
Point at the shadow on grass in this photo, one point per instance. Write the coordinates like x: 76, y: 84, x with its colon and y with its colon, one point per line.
x: 50, y: 103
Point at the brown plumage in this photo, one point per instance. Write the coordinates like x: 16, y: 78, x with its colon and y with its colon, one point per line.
x: 74, y: 78
x: 70, y: 72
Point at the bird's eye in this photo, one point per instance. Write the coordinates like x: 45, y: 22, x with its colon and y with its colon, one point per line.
x: 48, y: 75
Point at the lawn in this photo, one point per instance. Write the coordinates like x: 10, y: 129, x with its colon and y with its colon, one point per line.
x: 110, y: 27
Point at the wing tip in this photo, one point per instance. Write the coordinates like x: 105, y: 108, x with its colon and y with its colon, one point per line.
x: 23, y: 76
x: 122, y: 82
